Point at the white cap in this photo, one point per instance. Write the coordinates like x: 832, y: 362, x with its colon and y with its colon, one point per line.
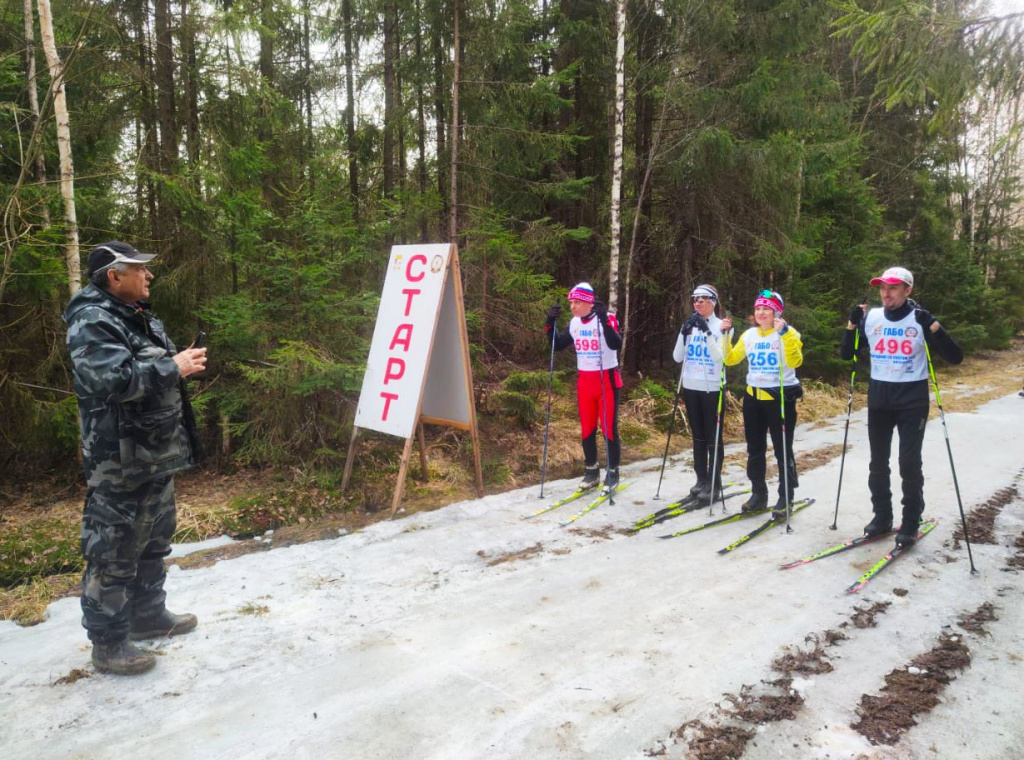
x: 895, y: 276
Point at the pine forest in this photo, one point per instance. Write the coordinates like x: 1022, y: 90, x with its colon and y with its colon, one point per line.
x: 272, y: 151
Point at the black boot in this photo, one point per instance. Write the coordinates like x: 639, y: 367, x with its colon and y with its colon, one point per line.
x: 121, y: 657
x: 705, y: 495
x: 907, y: 535
x: 879, y: 524
x: 701, y: 484
x: 779, y: 510
x: 758, y: 502
x: 591, y: 477
x: 611, y: 479
x: 164, y: 623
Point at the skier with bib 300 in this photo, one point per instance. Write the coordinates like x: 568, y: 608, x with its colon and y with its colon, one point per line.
x: 594, y: 334
x: 699, y: 349
x: 773, y: 350
x: 897, y: 337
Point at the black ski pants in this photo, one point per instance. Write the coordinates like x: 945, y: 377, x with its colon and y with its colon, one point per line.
x: 910, y: 423
x: 761, y: 418
x: 702, y: 413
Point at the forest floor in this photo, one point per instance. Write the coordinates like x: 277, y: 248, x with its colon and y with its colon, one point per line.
x: 466, y: 631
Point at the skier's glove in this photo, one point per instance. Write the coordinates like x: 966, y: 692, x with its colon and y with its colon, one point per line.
x: 553, y: 314
x: 700, y: 323
x: 924, y: 318
x: 601, y: 312
x: 856, y: 315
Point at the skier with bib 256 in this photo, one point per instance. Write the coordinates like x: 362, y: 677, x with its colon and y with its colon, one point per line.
x: 773, y: 350
x: 594, y: 334
x: 897, y: 337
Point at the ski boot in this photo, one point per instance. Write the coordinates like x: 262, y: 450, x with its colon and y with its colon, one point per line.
x: 163, y: 623
x: 779, y: 510
x: 907, y: 535
x: 756, y: 503
x: 700, y: 485
x: 611, y: 480
x: 591, y: 478
x: 707, y: 496
x: 879, y: 524
x: 121, y: 657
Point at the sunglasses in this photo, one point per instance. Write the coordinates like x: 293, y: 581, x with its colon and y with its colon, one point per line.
x: 766, y: 294
x: 701, y: 299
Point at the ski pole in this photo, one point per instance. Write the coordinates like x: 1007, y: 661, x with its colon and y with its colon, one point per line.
x: 718, y: 432
x: 846, y: 432
x: 949, y: 449
x: 785, y: 446
x: 547, y: 422
x: 671, y: 425
x: 607, y: 442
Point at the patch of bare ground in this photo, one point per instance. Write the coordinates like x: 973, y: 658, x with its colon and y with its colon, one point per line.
x: 604, y: 533
x: 733, y: 723
x: 713, y: 742
x: 864, y: 616
x: 1016, y: 560
x: 527, y: 553
x: 76, y: 674
x: 910, y: 691
x: 916, y: 688
x: 981, y: 520
x: 975, y: 621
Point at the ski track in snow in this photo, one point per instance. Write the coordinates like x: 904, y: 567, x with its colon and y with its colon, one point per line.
x: 400, y: 642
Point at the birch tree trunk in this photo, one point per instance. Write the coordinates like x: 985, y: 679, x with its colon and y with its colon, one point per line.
x: 620, y: 108
x: 350, y: 111
x: 67, y: 168
x: 453, y: 210
x: 33, y: 100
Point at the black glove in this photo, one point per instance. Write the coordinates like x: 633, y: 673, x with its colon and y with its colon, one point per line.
x: 700, y: 323
x: 924, y: 318
x: 601, y: 312
x: 553, y: 314
x: 856, y: 315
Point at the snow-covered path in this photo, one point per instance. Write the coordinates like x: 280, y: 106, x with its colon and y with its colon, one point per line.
x: 401, y: 641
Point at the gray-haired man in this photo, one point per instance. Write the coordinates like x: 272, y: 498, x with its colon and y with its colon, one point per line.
x: 129, y: 382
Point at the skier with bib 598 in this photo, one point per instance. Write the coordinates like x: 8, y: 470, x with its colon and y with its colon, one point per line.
x: 594, y: 334
x: 897, y: 337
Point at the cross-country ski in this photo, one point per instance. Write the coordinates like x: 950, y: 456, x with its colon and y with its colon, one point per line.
x: 887, y: 560
x: 775, y: 519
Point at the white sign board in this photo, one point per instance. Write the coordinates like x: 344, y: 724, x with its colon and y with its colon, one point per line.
x: 402, y: 340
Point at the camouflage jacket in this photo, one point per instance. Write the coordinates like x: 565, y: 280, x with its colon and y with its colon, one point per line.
x: 129, y: 391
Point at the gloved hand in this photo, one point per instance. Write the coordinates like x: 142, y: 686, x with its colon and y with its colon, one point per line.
x: 553, y: 314
x: 924, y: 318
x: 601, y: 312
x: 856, y: 315
x: 700, y: 323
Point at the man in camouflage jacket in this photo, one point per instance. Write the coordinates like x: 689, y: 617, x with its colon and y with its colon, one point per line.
x: 129, y: 379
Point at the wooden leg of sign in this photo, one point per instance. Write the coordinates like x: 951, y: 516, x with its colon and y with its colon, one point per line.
x: 476, y: 460
x: 400, y: 485
x: 423, y: 452
x: 349, y: 458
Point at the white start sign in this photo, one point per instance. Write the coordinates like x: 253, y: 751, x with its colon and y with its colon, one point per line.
x: 403, y: 339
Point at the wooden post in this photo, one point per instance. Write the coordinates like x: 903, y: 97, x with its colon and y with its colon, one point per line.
x: 400, y: 485
x: 423, y: 452
x: 349, y: 458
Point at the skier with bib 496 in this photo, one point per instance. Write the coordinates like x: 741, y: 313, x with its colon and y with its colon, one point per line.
x: 768, y: 346
x: 897, y: 337
x: 699, y: 349
x: 594, y: 334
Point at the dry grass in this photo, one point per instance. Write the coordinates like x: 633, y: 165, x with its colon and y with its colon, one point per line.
x: 26, y: 604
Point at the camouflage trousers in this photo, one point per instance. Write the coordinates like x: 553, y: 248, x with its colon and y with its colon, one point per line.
x: 125, y: 536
